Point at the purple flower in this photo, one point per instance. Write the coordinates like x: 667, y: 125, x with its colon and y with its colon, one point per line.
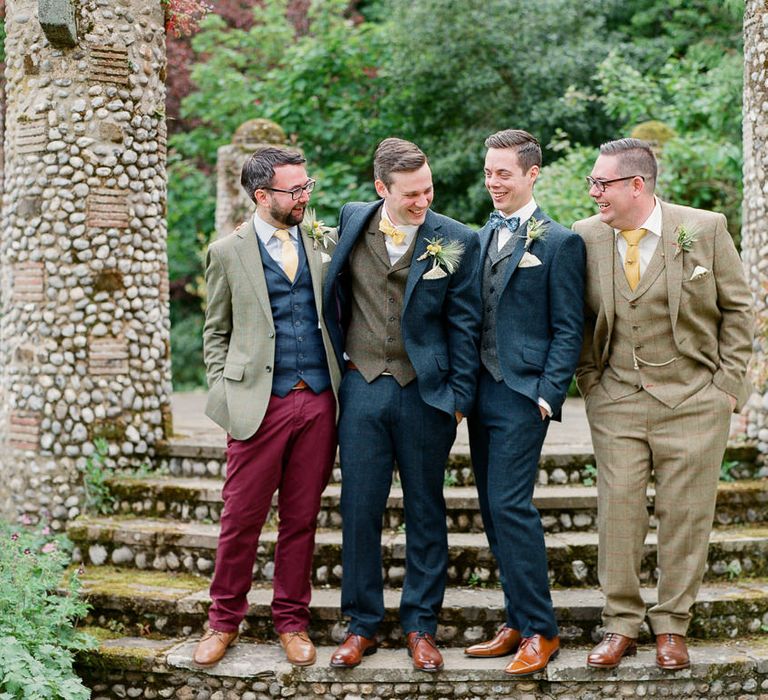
x: 27, y: 551
x: 26, y: 519
x: 15, y: 536
x: 46, y: 530
x: 48, y: 547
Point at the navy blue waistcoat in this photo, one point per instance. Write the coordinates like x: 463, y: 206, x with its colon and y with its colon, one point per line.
x: 299, y: 351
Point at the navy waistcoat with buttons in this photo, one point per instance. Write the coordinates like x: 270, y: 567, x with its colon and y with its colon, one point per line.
x: 299, y: 351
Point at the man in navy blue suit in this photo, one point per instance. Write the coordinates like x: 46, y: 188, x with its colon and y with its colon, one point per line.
x: 532, y: 279
x: 403, y: 311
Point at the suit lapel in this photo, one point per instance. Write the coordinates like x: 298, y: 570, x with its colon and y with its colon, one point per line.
x: 673, y: 261
x: 353, y: 228
x: 429, y: 229
x: 314, y: 263
x: 518, y: 250
x: 250, y: 256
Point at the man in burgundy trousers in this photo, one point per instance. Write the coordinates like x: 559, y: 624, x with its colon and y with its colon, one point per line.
x: 272, y: 377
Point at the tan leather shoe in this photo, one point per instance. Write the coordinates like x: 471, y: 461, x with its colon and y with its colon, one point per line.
x: 352, y: 650
x: 533, y: 655
x: 611, y: 649
x: 671, y: 652
x: 299, y: 649
x: 212, y: 647
x: 424, y: 652
x: 506, y: 641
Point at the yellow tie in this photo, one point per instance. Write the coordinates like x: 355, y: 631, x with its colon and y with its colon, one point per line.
x: 632, y: 258
x: 393, y: 232
x: 289, y: 258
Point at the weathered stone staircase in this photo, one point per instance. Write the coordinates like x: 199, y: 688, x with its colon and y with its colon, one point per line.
x: 147, y: 572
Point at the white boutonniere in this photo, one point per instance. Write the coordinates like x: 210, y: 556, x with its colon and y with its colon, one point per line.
x: 686, y: 237
x: 317, y: 230
x: 536, y: 231
x: 445, y: 257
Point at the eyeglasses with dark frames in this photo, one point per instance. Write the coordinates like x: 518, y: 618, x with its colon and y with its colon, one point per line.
x: 602, y: 184
x: 296, y: 191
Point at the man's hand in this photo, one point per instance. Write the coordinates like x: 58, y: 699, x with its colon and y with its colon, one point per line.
x: 459, y: 417
x: 544, y: 412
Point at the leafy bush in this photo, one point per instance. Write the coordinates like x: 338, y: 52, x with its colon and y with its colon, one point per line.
x: 37, y: 637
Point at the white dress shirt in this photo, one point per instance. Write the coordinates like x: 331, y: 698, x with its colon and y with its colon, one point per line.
x: 395, y: 252
x: 648, y: 243
x: 523, y: 213
x: 274, y: 246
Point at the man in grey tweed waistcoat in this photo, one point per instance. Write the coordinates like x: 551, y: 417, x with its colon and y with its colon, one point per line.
x: 532, y: 278
x: 667, y: 340
x: 403, y: 311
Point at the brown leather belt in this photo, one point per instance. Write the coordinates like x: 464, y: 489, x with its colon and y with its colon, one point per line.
x: 298, y: 386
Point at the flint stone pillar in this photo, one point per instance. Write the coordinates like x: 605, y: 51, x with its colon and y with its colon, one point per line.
x: 232, y: 204
x: 84, y: 320
x: 754, y: 232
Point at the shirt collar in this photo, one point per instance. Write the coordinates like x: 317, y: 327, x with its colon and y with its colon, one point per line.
x: 653, y: 223
x: 523, y: 213
x: 408, y: 230
x: 265, y: 231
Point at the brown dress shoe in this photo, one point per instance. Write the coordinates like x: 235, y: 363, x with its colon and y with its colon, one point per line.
x: 212, y: 647
x: 533, y: 655
x: 424, y: 652
x: 671, y: 652
x: 299, y: 649
x: 610, y: 650
x: 506, y: 641
x: 352, y: 650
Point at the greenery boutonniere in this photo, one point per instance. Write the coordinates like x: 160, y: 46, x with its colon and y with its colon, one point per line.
x: 316, y: 229
x: 686, y: 237
x: 445, y: 257
x: 536, y: 231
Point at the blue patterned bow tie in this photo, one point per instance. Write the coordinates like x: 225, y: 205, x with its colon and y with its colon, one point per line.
x: 497, y: 220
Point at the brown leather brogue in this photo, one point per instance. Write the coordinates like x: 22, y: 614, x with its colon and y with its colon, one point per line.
x: 533, y: 655
x: 298, y: 647
x: 352, y: 650
x: 424, y: 652
x: 212, y: 647
x: 671, y: 652
x: 506, y: 641
x: 611, y: 649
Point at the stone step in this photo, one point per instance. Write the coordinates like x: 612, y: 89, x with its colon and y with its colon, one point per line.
x: 142, y: 667
x: 563, y: 508
x: 560, y: 463
x: 166, y: 545
x: 177, y: 604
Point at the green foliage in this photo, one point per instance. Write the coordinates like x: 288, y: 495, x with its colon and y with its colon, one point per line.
x: 725, y: 470
x: 2, y: 41
x: 467, y: 79
x: 98, y: 497
x: 187, y: 347
x: 589, y: 475
x: 37, y: 637
x: 561, y: 190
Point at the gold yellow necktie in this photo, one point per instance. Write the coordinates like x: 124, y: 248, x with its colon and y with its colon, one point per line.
x: 632, y: 257
x: 289, y: 257
x: 393, y: 232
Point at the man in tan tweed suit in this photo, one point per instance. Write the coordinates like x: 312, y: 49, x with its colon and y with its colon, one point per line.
x: 666, y: 344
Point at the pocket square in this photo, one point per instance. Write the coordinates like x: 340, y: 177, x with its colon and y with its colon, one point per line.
x: 324, y: 257
x: 529, y: 260
x: 435, y: 273
x: 698, y: 271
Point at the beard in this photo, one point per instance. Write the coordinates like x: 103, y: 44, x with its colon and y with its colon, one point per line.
x: 289, y: 217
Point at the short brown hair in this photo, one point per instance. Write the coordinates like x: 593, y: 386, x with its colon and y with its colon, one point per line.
x: 527, y: 147
x: 395, y: 155
x: 635, y: 157
x: 259, y: 170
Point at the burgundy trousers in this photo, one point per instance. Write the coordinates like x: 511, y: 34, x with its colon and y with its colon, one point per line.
x: 292, y: 452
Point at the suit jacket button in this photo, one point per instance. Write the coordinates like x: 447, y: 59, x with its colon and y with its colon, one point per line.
x: 268, y: 368
x: 271, y: 334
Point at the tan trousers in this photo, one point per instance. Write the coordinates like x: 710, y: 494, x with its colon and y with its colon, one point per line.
x: 684, y: 448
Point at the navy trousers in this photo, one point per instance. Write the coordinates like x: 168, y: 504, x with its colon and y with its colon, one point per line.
x: 506, y: 434
x: 382, y: 423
